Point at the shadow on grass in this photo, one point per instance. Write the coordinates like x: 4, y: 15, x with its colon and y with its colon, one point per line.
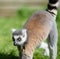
x: 5, y: 56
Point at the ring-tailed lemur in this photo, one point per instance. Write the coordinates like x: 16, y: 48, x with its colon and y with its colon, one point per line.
x: 40, y: 26
x: 22, y: 40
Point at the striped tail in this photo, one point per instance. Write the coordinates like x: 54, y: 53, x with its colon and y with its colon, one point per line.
x: 52, y: 7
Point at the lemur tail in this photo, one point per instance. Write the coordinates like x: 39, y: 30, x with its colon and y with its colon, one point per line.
x: 52, y: 7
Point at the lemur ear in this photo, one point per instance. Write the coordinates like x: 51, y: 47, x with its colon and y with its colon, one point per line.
x: 13, y: 30
x: 24, y: 30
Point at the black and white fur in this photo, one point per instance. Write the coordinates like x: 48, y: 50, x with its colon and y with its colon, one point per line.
x: 19, y: 37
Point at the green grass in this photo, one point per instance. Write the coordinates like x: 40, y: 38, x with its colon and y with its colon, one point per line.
x: 7, y: 49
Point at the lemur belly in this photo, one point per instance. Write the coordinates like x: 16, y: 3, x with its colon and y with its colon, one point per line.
x: 38, y: 28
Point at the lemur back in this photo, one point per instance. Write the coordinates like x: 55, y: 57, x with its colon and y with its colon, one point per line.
x: 38, y: 28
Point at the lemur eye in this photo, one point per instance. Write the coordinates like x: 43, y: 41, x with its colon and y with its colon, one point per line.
x: 19, y: 39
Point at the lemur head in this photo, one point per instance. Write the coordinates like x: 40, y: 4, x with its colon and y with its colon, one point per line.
x: 19, y: 36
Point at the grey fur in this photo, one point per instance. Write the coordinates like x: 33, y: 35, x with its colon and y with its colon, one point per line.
x: 52, y: 41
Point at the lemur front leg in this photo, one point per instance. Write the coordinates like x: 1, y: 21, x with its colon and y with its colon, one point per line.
x: 20, y: 49
x: 52, y: 41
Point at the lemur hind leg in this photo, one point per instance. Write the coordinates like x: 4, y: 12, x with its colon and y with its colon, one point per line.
x: 52, y: 41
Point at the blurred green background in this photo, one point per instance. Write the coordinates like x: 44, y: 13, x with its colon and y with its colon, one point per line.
x: 7, y: 49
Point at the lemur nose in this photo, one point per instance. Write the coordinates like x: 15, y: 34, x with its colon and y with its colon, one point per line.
x: 19, y: 39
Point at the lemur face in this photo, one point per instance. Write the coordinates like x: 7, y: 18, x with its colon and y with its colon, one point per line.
x: 19, y: 36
